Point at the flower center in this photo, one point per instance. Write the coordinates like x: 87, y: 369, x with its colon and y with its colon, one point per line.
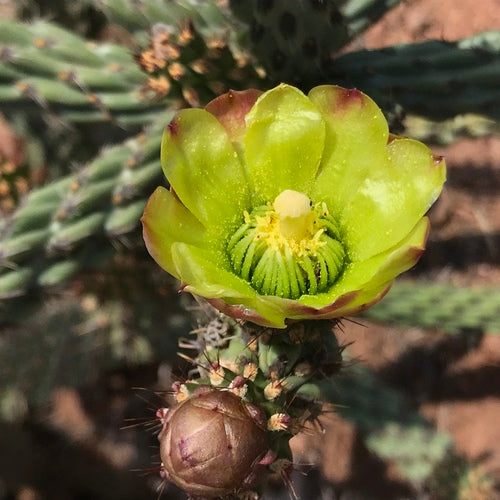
x: 288, y: 248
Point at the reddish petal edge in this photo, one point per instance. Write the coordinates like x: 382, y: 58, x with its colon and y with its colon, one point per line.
x: 370, y: 303
x: 294, y: 310
x: 241, y: 312
x: 324, y: 312
x: 231, y: 109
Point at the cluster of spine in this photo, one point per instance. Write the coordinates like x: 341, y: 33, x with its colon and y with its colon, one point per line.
x: 212, y: 20
x: 449, y: 308
x: 193, y: 66
x: 44, y: 241
x: 288, y: 376
x: 14, y: 181
x: 13, y: 185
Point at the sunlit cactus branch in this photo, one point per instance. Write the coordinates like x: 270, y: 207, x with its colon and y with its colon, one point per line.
x: 46, y: 66
x: 45, y: 241
x: 444, y: 307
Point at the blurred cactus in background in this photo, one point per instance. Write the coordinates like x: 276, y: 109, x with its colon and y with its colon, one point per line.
x: 86, y: 90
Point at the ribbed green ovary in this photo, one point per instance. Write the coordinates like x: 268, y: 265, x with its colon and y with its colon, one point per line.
x: 288, y: 248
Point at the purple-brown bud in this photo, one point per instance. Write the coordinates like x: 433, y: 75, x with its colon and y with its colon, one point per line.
x: 211, y: 443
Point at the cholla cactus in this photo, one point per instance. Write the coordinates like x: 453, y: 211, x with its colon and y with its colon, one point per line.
x: 326, y: 209
x: 286, y: 210
x: 252, y: 390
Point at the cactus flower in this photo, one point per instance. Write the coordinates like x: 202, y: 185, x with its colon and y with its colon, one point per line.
x: 288, y: 207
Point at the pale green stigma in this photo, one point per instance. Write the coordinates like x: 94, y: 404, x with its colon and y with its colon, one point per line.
x: 288, y: 248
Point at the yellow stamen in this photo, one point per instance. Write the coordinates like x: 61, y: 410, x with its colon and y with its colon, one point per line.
x: 289, y: 247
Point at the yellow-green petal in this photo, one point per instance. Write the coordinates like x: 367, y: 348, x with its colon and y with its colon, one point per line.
x: 202, y: 273
x: 165, y: 221
x: 356, y: 136
x: 203, y: 168
x: 243, y: 151
x: 283, y: 143
x: 377, y: 271
x: 392, y: 198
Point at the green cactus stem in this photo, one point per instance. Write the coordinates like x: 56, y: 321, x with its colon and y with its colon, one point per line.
x: 196, y: 66
x: 294, y: 39
x: 45, y: 65
x: 288, y: 376
x: 451, y: 309
x: 208, y: 17
x: 45, y: 240
x: 436, y: 79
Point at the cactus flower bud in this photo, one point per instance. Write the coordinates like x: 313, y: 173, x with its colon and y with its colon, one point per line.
x: 285, y: 206
x: 211, y: 444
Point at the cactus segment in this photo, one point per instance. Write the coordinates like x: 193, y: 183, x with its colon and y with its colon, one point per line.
x: 294, y: 40
x: 48, y: 65
x: 54, y: 222
x: 208, y: 17
x: 83, y: 82
x: 381, y: 415
x: 445, y: 307
x: 435, y: 78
